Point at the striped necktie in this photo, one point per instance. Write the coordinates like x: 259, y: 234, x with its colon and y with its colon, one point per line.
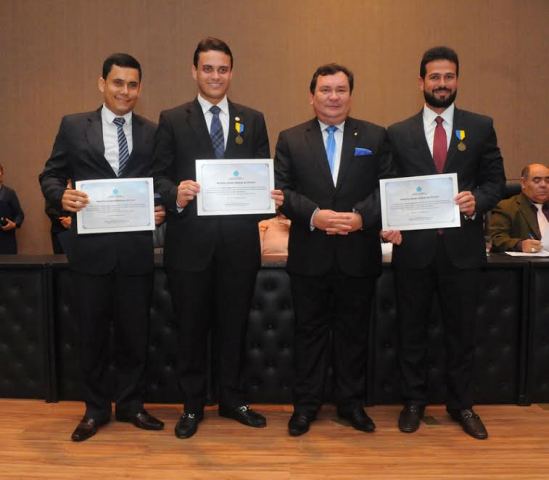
x: 216, y: 133
x: 123, y: 152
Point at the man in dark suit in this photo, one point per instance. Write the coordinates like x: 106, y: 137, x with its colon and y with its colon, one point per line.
x: 328, y: 169
x: 519, y: 223
x: 443, y: 139
x: 211, y: 262
x: 11, y: 217
x: 111, y: 272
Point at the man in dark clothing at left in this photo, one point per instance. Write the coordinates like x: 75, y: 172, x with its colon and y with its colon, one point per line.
x: 11, y: 217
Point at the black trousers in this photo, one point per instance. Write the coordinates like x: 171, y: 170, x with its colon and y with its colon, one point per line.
x: 216, y: 300
x: 457, y: 291
x: 341, y: 305
x: 121, y: 304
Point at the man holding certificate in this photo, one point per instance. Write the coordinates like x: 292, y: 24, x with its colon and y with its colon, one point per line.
x: 110, y: 150
x: 328, y: 169
x: 211, y: 260
x: 443, y: 139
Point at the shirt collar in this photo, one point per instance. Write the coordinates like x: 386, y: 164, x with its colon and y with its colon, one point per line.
x: 324, y: 126
x: 109, y: 116
x: 223, y: 104
x: 430, y: 115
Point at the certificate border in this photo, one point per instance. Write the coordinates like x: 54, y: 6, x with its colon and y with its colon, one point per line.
x: 383, y: 197
x: 200, y: 211
x: 81, y: 184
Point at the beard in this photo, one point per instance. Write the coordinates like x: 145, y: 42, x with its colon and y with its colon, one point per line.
x: 433, y: 101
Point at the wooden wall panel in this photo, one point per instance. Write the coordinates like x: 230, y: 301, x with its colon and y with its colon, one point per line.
x: 52, y: 51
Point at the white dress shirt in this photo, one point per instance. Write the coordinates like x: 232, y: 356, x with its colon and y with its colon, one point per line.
x: 224, y: 116
x: 110, y: 135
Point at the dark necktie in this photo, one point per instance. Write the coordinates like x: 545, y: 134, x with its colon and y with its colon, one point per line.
x: 440, y: 148
x: 331, y: 146
x: 216, y: 133
x: 123, y: 152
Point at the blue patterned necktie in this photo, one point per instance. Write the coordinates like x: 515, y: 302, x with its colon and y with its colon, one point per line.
x: 331, y: 146
x: 123, y: 152
x: 216, y: 133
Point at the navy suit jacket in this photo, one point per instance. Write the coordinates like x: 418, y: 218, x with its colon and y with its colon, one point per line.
x: 479, y: 169
x: 78, y: 154
x: 182, y: 138
x: 303, y: 173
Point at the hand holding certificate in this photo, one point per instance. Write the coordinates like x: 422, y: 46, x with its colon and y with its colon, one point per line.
x: 235, y: 187
x: 416, y: 203
x: 116, y: 205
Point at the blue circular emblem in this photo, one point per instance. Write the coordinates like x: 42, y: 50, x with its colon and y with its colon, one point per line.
x: 115, y: 191
x: 418, y: 189
x: 235, y: 173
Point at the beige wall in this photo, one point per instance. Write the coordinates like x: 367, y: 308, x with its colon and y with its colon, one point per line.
x: 52, y: 51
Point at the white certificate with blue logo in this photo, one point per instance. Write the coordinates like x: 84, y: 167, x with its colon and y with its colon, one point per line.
x: 418, y: 203
x: 116, y: 205
x: 235, y: 187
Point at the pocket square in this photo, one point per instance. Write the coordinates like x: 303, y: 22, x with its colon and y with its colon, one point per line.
x: 362, y: 152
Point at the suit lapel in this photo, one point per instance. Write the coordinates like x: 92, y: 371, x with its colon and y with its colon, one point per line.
x: 198, y: 123
x: 315, y: 141
x: 94, y: 135
x: 457, y: 124
x: 350, y: 136
x: 526, y: 210
x: 419, y: 141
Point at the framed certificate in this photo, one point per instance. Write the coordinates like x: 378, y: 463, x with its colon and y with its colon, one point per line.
x: 235, y: 187
x: 417, y: 203
x: 116, y: 205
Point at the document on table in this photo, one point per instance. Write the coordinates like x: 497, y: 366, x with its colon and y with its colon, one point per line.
x: 417, y: 203
x: 235, y: 187
x: 116, y: 205
x: 542, y: 253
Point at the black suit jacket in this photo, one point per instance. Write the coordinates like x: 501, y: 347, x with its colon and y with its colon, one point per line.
x: 78, y: 154
x: 302, y: 172
x: 182, y: 138
x: 479, y: 169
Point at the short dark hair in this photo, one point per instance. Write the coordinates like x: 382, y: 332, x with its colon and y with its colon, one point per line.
x: 120, y: 60
x: 331, y: 69
x: 525, y: 172
x: 438, y: 53
x: 1, y: 168
x: 211, y: 43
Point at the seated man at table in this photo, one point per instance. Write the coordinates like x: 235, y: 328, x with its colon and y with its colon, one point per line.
x: 520, y: 223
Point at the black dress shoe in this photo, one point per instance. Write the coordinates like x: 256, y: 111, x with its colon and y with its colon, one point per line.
x: 187, y: 425
x: 299, y: 424
x: 410, y: 417
x: 358, y: 419
x: 86, y: 428
x: 142, y: 419
x: 470, y: 422
x: 245, y: 415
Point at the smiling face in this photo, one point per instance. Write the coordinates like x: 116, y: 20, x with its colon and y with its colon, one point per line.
x: 331, y: 99
x: 213, y: 75
x: 120, y: 89
x: 439, y: 86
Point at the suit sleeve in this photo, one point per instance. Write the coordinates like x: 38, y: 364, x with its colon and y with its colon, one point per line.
x: 54, y: 177
x: 491, y: 176
x: 500, y: 226
x: 261, y: 143
x: 370, y: 207
x: 164, y: 162
x: 296, y: 207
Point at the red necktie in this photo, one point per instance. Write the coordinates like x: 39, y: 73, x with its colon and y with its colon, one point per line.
x: 439, y: 145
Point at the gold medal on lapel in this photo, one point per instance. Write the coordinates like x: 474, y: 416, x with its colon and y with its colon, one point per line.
x: 461, y: 147
x: 460, y: 135
x: 239, y: 127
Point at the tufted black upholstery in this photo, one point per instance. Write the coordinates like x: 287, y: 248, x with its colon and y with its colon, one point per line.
x: 538, y: 368
x: 38, y: 351
x: 498, y: 340
x: 23, y: 328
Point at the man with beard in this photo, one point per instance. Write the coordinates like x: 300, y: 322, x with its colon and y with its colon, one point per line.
x: 443, y: 139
